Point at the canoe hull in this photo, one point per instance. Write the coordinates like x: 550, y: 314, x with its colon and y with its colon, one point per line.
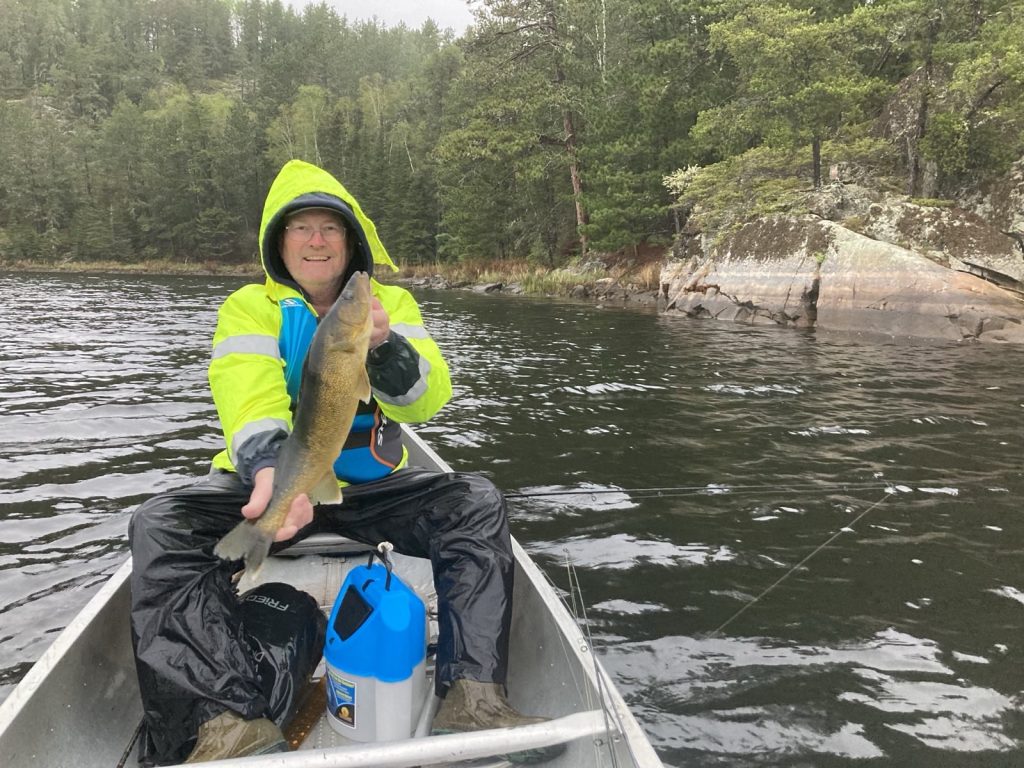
x: 81, y: 698
x: 79, y: 705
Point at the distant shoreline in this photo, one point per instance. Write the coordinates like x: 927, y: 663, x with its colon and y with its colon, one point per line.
x: 618, y: 284
x: 139, y: 268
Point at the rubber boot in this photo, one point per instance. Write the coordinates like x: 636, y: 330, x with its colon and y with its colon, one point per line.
x: 229, y: 735
x: 474, y: 706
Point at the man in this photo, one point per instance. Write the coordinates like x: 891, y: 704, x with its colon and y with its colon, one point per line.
x: 198, y: 679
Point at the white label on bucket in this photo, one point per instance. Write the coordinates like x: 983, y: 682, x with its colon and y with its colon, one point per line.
x: 341, y: 698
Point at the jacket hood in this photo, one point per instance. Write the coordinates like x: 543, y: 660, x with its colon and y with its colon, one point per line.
x: 303, y: 185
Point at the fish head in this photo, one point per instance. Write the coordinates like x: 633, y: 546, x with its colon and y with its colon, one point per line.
x: 349, y: 322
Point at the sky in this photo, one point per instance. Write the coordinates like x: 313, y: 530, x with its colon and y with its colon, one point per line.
x: 447, y: 13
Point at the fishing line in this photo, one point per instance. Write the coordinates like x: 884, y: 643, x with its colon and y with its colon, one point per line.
x: 888, y: 492
x: 690, y: 488
x: 575, y: 590
x: 684, y: 490
x: 577, y: 610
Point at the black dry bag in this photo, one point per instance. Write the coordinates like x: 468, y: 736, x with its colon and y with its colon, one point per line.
x: 286, y: 631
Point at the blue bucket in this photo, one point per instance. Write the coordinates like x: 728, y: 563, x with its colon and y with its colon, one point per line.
x: 375, y: 653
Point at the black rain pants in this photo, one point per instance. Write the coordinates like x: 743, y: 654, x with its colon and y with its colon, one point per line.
x: 192, y: 657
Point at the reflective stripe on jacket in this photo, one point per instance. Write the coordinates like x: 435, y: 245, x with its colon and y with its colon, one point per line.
x: 262, y: 335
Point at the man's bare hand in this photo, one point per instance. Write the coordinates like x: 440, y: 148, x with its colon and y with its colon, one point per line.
x: 299, y: 516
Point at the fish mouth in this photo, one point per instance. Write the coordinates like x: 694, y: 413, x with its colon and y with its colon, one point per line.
x: 349, y: 291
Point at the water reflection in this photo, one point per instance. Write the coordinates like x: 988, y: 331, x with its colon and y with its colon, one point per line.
x: 707, y: 686
x: 622, y: 551
x: 104, y: 402
x: 683, y: 472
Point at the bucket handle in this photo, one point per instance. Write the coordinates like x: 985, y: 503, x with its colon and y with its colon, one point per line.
x: 383, y: 551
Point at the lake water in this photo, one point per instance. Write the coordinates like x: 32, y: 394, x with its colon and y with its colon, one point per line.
x: 736, y: 635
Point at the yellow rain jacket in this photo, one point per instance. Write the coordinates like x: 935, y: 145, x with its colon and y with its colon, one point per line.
x: 263, y: 332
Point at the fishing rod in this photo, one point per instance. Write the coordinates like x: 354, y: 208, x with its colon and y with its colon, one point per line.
x: 609, y: 712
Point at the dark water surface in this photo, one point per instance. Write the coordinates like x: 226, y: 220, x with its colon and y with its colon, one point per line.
x: 898, y: 644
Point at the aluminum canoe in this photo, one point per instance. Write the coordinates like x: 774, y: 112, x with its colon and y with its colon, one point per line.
x: 79, y: 705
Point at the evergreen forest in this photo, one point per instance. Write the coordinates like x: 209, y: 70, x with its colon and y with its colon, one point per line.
x: 139, y: 130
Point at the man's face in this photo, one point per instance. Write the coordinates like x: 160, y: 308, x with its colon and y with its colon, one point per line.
x: 315, y: 251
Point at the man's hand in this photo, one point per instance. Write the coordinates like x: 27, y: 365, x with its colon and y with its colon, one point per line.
x: 381, y: 323
x: 299, y: 516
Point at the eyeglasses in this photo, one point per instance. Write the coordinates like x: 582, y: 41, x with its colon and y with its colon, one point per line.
x: 302, y: 233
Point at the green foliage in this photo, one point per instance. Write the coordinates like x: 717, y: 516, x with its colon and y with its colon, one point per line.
x: 658, y: 77
x: 765, y: 181
x: 798, y: 82
x: 37, y: 196
x: 947, y: 142
x: 511, y: 179
x: 137, y: 130
x: 757, y: 183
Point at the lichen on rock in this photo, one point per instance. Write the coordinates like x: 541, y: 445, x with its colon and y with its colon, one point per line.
x: 805, y: 271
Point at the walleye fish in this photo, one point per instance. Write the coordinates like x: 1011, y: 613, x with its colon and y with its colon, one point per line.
x: 333, y: 380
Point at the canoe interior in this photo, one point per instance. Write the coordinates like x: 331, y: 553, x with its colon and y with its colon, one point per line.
x: 79, y: 705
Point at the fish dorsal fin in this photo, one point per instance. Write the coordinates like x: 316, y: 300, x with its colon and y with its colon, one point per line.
x: 326, y: 491
x: 363, y: 385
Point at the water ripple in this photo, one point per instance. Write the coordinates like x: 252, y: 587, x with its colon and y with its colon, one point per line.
x: 897, y: 644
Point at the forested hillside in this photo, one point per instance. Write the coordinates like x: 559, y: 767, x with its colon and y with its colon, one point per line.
x: 140, y: 129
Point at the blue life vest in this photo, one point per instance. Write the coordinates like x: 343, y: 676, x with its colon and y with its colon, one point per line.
x: 374, y: 445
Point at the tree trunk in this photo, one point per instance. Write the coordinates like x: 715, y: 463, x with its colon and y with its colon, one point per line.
x: 930, y: 179
x: 977, y: 18
x: 816, y: 161
x: 577, y: 180
x: 569, y: 131
x: 914, y: 182
x: 921, y: 126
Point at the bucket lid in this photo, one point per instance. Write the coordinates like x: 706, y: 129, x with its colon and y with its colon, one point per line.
x: 373, y: 631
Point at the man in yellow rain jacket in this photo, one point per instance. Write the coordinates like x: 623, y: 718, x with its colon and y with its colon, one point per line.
x: 199, y: 679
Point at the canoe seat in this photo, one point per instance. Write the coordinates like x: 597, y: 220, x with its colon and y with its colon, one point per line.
x: 318, y: 565
x: 324, y: 544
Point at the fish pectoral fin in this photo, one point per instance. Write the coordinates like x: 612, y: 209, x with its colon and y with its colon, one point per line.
x: 326, y: 491
x: 363, y: 386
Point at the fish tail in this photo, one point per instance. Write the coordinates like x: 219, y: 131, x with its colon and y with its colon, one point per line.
x: 245, y: 542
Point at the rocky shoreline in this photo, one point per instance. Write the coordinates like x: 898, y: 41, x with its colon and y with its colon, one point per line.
x: 603, y: 291
x: 863, y: 261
